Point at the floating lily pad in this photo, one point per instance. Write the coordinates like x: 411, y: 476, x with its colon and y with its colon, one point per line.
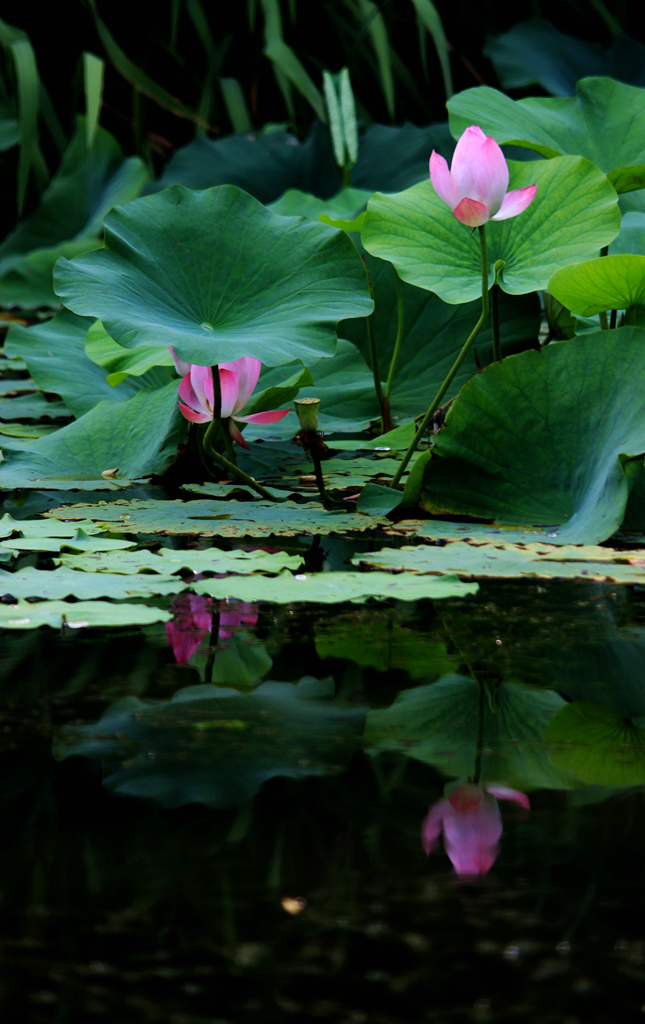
x: 334, y: 587
x: 539, y: 438
x: 63, y: 582
x: 511, y: 560
x: 172, y: 560
x: 264, y: 286
x: 81, y: 541
x: 44, y: 527
x: 218, y: 519
x: 77, y: 614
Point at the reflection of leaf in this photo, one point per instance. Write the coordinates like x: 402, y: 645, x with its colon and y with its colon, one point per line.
x: 596, y: 745
x: 438, y: 724
x: 377, y: 640
x: 231, y: 743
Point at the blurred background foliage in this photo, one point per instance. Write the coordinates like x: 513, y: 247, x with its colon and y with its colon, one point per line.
x: 199, y: 69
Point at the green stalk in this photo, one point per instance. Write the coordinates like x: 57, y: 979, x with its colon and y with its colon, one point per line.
x: 399, y: 337
x: 376, y: 373
x: 455, y: 367
x: 234, y: 470
x: 494, y: 309
x: 604, y: 322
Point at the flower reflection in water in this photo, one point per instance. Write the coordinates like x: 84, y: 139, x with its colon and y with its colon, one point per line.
x: 472, y: 825
x: 193, y: 621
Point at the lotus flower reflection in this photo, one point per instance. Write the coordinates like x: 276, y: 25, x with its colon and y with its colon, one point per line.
x: 476, y: 186
x: 472, y: 825
x: 237, y: 381
x: 192, y: 621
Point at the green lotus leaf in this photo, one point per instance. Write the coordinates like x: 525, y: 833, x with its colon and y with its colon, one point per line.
x: 604, y: 122
x: 334, y: 587
x: 123, y: 440
x: 217, y: 276
x: 78, y: 615
x: 595, y: 286
x: 540, y: 438
x: 52, y: 348
x: 575, y: 212
x: 63, y: 582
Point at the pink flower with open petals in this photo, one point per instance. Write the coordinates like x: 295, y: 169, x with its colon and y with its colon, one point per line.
x: 237, y: 381
x: 472, y: 825
x: 476, y: 186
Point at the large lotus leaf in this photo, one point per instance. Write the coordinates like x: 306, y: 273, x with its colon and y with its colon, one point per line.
x: 44, y: 527
x: 537, y: 439
x: 632, y: 234
x: 333, y: 587
x: 231, y: 742
x: 511, y: 560
x: 575, y: 212
x: 268, y: 165
x: 68, y: 220
x: 63, y: 582
x: 604, y: 122
x: 124, y: 440
x: 219, y: 518
x: 81, y: 541
x: 534, y: 52
x: 438, y: 724
x: 595, y: 286
x: 55, y: 354
x: 172, y: 560
x: 217, y: 276
x: 596, y: 745
x: 32, y: 407
x: 343, y: 206
x: 78, y: 615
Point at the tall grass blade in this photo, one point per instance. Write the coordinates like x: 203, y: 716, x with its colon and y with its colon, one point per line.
x: 93, y: 71
x: 286, y: 61
x: 428, y: 16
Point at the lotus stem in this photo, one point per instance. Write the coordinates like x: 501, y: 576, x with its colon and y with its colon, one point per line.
x: 399, y: 336
x: 455, y: 367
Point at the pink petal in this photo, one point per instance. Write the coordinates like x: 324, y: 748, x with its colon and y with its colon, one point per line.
x: 504, y: 793
x: 432, y: 825
x: 181, y: 367
x: 264, y: 417
x: 229, y: 383
x: 479, y: 169
x: 515, y: 202
x: 248, y: 371
x: 471, y: 834
x: 472, y: 213
x: 201, y: 378
x: 192, y: 408
x: 442, y: 182
x: 236, y: 434
x: 194, y: 417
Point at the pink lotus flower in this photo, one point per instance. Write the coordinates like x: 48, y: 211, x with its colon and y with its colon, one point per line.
x: 191, y: 622
x: 475, y: 187
x: 472, y: 826
x: 237, y: 381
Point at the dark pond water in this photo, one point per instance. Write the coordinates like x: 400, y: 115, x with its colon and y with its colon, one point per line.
x: 250, y: 850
